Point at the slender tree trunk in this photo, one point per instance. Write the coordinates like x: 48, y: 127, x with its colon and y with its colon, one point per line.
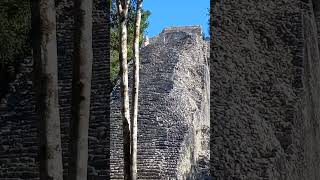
x: 46, y: 86
x: 81, y: 90
x: 123, y: 6
x: 135, y: 92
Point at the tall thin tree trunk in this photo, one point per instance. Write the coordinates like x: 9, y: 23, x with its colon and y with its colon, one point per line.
x: 46, y: 87
x: 81, y: 90
x: 123, y: 6
x: 135, y: 92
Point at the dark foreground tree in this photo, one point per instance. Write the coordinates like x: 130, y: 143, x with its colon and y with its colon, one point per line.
x: 46, y: 86
x: 81, y: 90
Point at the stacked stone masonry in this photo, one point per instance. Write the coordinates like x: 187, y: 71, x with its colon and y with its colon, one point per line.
x: 265, y: 90
x: 264, y: 98
x: 18, y: 132
x: 173, y: 120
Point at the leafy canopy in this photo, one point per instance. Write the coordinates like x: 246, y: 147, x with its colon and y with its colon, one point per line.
x: 115, y: 64
x: 15, y: 26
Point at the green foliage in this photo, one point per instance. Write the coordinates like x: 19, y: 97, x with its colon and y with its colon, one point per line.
x: 15, y: 25
x: 115, y: 64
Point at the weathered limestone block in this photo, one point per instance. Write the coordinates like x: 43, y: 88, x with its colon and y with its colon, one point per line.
x: 265, y: 91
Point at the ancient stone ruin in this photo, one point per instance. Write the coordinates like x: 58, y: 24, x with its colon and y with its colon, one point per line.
x: 173, y: 117
x: 173, y: 120
x: 263, y: 85
x: 18, y: 130
x: 265, y: 90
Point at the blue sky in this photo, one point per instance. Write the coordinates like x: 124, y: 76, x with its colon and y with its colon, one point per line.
x: 166, y: 13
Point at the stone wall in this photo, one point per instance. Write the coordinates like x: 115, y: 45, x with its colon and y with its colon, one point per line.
x: 18, y: 134
x: 264, y: 90
x: 173, y: 120
x: 19, y: 147
x: 264, y: 98
x: 187, y: 29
